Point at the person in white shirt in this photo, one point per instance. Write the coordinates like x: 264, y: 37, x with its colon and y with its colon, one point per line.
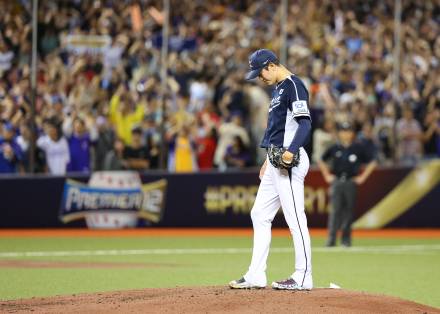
x: 323, y: 138
x: 56, y: 149
x: 409, y: 138
x: 199, y: 94
x: 227, y: 131
x: 6, y: 57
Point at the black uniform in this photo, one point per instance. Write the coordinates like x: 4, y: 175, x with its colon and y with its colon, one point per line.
x: 345, y: 163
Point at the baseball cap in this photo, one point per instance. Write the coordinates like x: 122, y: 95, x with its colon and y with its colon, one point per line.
x: 258, y: 60
x: 346, y: 126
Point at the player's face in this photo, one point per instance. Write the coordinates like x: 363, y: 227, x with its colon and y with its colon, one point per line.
x: 267, y: 75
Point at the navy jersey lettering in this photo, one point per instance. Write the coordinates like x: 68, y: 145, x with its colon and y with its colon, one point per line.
x: 289, y: 101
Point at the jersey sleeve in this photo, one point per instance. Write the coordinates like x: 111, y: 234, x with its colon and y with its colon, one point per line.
x: 299, y: 100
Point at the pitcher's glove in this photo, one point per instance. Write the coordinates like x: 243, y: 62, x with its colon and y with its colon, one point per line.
x: 276, y: 158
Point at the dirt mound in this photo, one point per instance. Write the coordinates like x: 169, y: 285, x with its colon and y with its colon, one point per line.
x: 217, y: 300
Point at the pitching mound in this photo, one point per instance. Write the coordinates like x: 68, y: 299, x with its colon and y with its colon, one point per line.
x: 217, y: 300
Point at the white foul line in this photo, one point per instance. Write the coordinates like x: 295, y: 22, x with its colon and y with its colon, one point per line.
x: 396, y: 249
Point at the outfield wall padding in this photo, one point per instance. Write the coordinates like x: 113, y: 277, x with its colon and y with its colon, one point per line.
x: 209, y: 199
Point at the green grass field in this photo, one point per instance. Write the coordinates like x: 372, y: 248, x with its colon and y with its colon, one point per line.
x: 407, y: 268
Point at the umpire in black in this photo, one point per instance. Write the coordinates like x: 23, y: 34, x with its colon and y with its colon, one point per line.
x: 340, y: 166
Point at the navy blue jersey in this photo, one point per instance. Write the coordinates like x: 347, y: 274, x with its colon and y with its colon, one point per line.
x: 289, y: 101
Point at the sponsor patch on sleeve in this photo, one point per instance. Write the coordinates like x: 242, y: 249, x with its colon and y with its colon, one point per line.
x: 299, y: 108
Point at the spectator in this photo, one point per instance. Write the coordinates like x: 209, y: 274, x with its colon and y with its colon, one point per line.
x: 366, y: 139
x: 182, y: 155
x: 431, y: 133
x: 113, y: 54
x: 233, y: 101
x: 6, y: 57
x: 323, y: 138
x: 385, y: 133
x: 137, y: 155
x: 90, y: 61
x: 114, y: 159
x: 24, y: 141
x: 258, y: 100
x: 153, y: 151
x: 182, y: 116
x: 80, y: 145
x: 123, y: 117
x: 199, y: 94
x: 409, y: 135
x: 206, y: 141
x: 10, y: 152
x: 206, y: 144
x: 152, y: 140
x: 227, y: 132
x: 55, y: 147
x: 104, y: 142
x: 237, y: 154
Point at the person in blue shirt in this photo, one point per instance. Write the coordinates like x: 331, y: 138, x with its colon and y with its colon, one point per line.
x: 237, y: 154
x: 10, y: 152
x: 80, y: 145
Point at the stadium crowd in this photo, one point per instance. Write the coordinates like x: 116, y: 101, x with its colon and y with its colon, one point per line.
x: 100, y: 101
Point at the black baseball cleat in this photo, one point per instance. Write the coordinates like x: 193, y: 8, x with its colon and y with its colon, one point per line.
x: 243, y: 284
x: 330, y: 244
x: 288, y: 284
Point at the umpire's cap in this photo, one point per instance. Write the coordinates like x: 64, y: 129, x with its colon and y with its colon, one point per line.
x: 345, y: 126
x: 258, y: 60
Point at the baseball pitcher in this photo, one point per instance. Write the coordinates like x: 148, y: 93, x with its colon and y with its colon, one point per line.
x: 282, y: 174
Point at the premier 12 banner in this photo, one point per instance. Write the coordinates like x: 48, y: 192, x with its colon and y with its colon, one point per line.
x: 113, y: 200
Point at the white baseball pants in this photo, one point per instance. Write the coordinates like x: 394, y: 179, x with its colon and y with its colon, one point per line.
x: 285, y: 189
